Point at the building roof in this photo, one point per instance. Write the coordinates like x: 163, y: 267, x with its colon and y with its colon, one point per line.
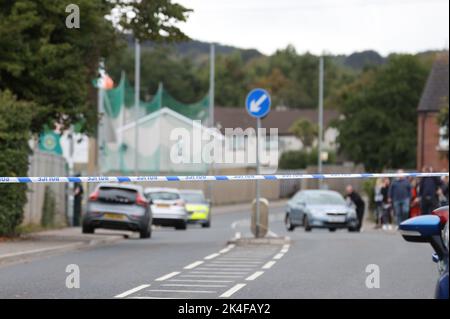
x: 237, y: 117
x: 436, y: 88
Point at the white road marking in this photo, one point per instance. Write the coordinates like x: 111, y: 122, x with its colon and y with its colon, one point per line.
x: 155, y: 298
x: 193, y: 265
x: 269, y: 264
x: 285, y: 249
x: 232, y: 291
x: 236, y: 262
x: 255, y: 275
x: 220, y: 272
x: 278, y: 256
x: 272, y: 234
x: 199, y: 280
x: 168, y: 276
x: 226, y: 266
x: 200, y: 286
x: 131, y: 291
x: 212, y: 256
x: 227, y: 249
x: 186, y: 291
x: 210, y: 276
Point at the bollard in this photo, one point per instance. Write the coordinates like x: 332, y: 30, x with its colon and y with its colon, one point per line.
x: 260, y: 231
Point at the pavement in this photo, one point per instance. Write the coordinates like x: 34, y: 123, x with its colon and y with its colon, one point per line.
x: 209, y: 263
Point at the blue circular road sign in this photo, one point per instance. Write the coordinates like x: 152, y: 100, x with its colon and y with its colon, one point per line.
x: 258, y: 103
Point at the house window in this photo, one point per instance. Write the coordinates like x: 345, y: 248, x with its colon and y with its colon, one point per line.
x: 443, y: 138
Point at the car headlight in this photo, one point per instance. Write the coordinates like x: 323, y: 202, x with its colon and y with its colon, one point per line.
x: 352, y: 213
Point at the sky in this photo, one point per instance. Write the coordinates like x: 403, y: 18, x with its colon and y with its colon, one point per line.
x: 332, y: 26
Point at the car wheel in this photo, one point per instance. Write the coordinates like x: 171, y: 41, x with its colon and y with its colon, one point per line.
x: 332, y: 229
x: 181, y: 226
x: 288, y: 223
x: 207, y: 224
x: 306, y: 223
x: 86, y: 229
x: 146, y: 233
x: 352, y: 229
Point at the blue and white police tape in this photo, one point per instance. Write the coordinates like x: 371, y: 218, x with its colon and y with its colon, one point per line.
x: 200, y: 178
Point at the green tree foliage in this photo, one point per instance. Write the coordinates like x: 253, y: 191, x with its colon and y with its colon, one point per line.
x: 43, y: 61
x: 305, y: 131
x: 380, y: 119
x: 15, y: 118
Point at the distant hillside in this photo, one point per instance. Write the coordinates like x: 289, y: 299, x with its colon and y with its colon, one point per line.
x: 360, y: 60
x: 198, y: 50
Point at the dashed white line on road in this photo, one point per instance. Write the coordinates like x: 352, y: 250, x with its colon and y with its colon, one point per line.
x: 269, y: 264
x: 232, y: 291
x: 285, y: 249
x: 212, y: 256
x: 227, y: 249
x: 278, y: 256
x: 193, y: 265
x: 131, y: 291
x: 255, y: 275
x: 168, y: 276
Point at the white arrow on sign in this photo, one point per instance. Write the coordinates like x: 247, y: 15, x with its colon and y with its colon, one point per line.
x: 255, y: 105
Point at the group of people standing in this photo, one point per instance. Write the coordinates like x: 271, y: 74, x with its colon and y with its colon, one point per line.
x: 403, y: 198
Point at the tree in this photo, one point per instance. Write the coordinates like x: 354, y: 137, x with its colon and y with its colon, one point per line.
x: 305, y: 131
x: 15, y: 118
x: 379, y: 123
x: 43, y: 61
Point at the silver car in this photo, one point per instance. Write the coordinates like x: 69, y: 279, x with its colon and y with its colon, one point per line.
x: 120, y: 207
x: 168, y: 207
x: 319, y: 209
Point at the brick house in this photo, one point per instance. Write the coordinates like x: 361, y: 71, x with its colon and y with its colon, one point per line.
x: 432, y: 148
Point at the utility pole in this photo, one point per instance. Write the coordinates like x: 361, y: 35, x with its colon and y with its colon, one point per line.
x: 100, y: 110
x: 211, y: 84
x: 320, y: 138
x: 137, y: 84
x: 212, y: 69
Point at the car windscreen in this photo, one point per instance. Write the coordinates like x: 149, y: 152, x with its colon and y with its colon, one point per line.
x: 117, y: 195
x: 324, y: 199
x: 163, y: 196
x: 193, y: 197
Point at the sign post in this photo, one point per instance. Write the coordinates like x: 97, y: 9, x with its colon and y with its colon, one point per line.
x: 258, y: 106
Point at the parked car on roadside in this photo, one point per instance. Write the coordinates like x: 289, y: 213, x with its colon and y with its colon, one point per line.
x: 168, y: 207
x: 319, y: 209
x: 432, y: 229
x: 119, y: 207
x: 197, y: 206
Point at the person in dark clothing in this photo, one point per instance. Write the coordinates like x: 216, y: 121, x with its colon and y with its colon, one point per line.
x: 428, y: 188
x: 386, y: 219
x: 356, y: 199
x: 77, y: 202
x: 400, y: 197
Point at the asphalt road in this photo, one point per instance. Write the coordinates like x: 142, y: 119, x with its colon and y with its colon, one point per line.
x: 198, y: 263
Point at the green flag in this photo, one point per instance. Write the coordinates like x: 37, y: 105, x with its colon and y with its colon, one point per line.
x: 49, y: 141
